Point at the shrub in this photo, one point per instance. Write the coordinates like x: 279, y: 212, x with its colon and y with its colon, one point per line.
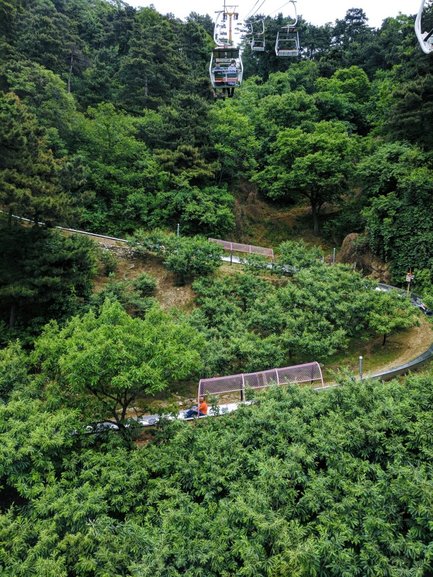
x: 189, y: 258
x: 145, y: 285
x: 108, y: 262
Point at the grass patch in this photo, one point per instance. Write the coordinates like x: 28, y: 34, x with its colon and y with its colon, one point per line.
x: 400, y: 348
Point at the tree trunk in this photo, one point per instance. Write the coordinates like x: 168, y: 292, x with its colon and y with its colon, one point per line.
x: 315, y: 213
x: 384, y: 340
x: 12, y: 315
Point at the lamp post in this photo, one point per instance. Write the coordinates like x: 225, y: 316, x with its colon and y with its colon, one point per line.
x: 361, y: 363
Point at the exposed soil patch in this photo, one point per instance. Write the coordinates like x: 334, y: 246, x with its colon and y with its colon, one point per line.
x: 259, y: 222
x: 410, y: 343
x: 168, y: 294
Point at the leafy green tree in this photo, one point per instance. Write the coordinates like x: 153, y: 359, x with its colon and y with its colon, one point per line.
x: 395, y: 44
x: 316, y: 40
x: 281, y: 109
x: 13, y: 370
x: 207, y: 210
x: 120, y: 171
x: 153, y: 67
x: 204, y: 20
x: 126, y: 293
x: 299, y: 483
x: 43, y: 275
x: 284, y: 101
x: 182, y: 122
x: 396, y: 180
x: 8, y: 18
x: 97, y: 82
x: 315, y: 165
x: 391, y: 312
x: 46, y: 35
x: 412, y: 106
x: 383, y: 167
x: 234, y: 142
x: 136, y: 296
x: 46, y: 97
x: 145, y: 284
x: 250, y: 322
x: 192, y: 257
x: 353, y: 28
x: 185, y: 166
x: 29, y: 174
x: 100, y: 362
x: 298, y: 254
x: 36, y: 439
x: 344, y: 96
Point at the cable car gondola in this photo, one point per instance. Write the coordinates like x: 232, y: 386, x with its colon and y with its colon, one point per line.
x: 287, y: 41
x: 425, y: 39
x: 225, y: 70
x: 225, y: 67
x: 257, y: 43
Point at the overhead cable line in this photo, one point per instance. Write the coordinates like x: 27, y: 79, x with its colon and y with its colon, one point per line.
x: 254, y: 10
x: 281, y: 7
x: 251, y: 12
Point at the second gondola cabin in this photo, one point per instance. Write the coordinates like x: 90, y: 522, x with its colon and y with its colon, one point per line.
x: 287, y: 42
x: 225, y: 70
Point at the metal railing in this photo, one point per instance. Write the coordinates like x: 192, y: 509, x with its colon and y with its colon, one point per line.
x: 239, y: 247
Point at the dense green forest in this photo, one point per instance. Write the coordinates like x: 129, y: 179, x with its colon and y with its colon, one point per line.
x: 108, y: 123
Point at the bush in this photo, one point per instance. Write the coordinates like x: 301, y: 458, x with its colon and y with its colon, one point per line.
x: 298, y: 254
x: 189, y: 258
x: 108, y: 262
x: 124, y: 292
x: 145, y: 285
x: 150, y: 242
x: 256, y: 263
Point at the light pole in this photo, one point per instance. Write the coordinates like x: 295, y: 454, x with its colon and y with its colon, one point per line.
x: 361, y: 362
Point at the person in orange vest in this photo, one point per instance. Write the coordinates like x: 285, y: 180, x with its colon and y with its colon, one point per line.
x: 201, y: 412
x: 202, y: 408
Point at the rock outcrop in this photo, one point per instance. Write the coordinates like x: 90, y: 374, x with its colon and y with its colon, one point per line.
x: 355, y: 251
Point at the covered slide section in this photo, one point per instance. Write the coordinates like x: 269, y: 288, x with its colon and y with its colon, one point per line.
x: 297, y: 374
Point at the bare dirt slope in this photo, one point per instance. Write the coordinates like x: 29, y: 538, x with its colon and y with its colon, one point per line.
x: 167, y: 293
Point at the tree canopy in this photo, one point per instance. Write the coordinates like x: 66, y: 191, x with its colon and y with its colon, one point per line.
x: 108, y: 123
x: 300, y: 483
x: 100, y: 362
